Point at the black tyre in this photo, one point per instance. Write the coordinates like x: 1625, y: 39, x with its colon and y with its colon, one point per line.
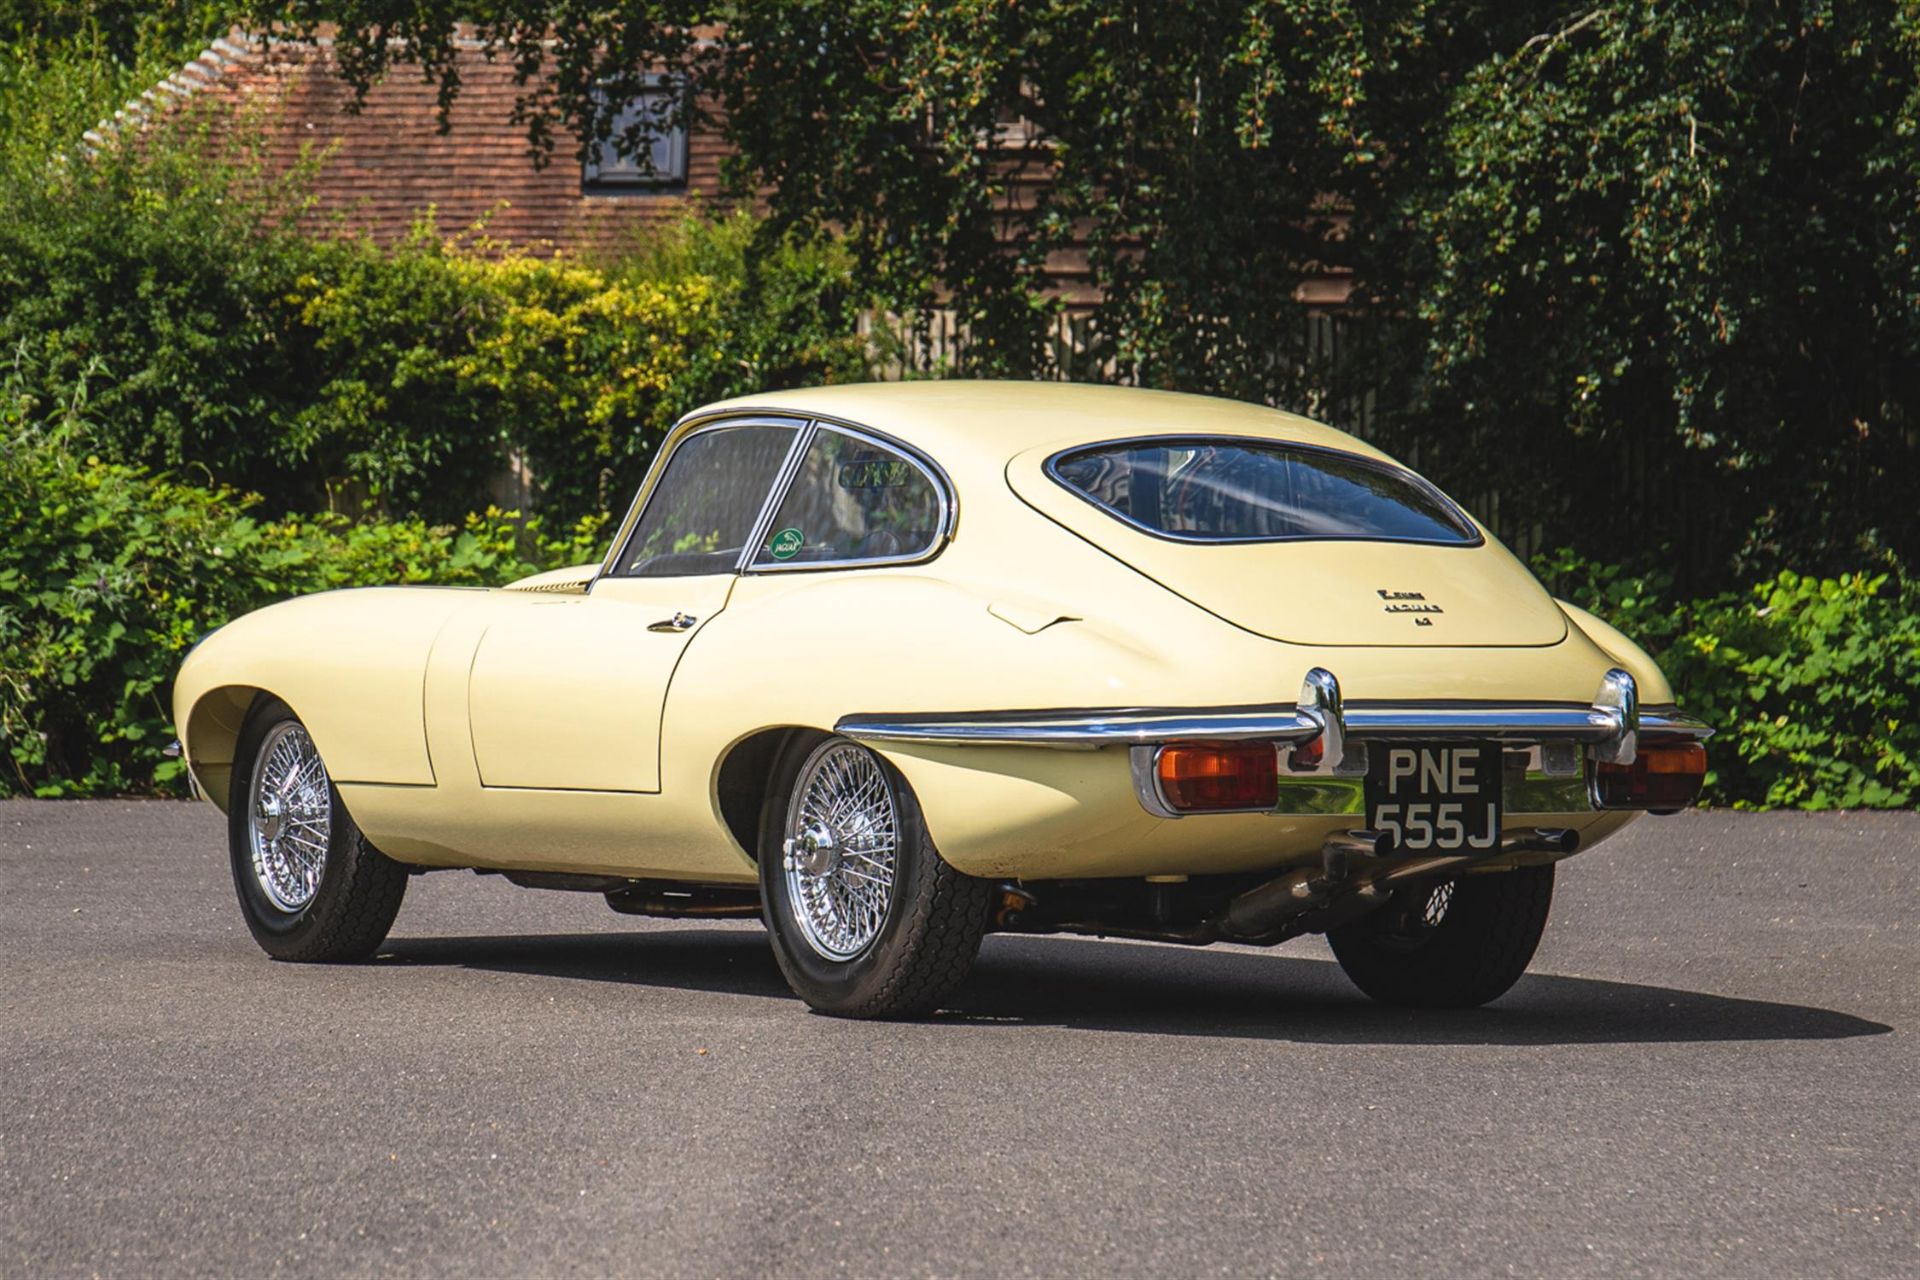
x: 867, y: 920
x: 311, y: 887
x: 1452, y: 946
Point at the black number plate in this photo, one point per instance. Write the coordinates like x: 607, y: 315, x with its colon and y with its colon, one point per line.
x: 1435, y: 798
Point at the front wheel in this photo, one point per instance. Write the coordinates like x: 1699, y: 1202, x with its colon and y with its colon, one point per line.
x: 1454, y: 945
x: 311, y: 887
x: 867, y: 919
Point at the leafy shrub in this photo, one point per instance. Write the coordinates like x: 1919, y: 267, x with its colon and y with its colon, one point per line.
x: 440, y: 355
x: 110, y: 573
x: 1815, y: 685
x: 1639, y: 602
x: 1812, y: 683
x: 325, y: 372
x: 135, y: 269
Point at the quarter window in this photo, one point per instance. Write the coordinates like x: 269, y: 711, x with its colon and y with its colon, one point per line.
x: 703, y: 510
x: 1230, y: 490
x: 853, y: 499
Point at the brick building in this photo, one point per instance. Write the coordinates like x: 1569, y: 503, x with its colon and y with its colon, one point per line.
x: 380, y: 168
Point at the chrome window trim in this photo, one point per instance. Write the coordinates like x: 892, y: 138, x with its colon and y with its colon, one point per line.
x: 643, y: 495
x: 935, y: 474
x: 776, y: 494
x: 1418, y: 481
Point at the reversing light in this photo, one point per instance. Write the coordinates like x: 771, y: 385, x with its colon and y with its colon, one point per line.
x: 1306, y: 756
x: 1664, y: 775
x: 1200, y: 776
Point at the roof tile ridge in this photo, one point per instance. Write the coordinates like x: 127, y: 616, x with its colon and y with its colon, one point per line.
x: 204, y: 71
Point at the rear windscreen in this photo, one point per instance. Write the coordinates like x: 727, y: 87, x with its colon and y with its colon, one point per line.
x: 1222, y: 490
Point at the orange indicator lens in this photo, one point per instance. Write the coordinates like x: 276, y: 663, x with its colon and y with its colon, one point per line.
x: 1664, y: 775
x: 1199, y: 776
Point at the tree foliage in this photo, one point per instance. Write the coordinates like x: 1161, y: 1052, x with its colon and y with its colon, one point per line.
x: 1685, y: 237
x: 1675, y: 241
x: 121, y: 34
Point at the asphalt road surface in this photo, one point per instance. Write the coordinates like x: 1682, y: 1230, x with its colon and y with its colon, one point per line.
x: 1712, y: 1070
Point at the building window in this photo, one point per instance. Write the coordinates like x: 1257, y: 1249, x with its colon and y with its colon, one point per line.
x: 660, y: 162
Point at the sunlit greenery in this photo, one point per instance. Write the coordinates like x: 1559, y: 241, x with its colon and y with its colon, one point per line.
x: 1647, y: 272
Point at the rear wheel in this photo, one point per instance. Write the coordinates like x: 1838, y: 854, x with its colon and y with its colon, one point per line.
x: 1453, y: 945
x: 867, y: 920
x: 311, y: 887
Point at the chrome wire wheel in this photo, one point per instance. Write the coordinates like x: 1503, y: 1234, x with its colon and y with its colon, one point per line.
x: 841, y: 850
x: 289, y: 817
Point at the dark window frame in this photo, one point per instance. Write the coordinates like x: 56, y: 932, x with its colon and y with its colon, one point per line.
x: 1471, y: 534
x: 614, y: 174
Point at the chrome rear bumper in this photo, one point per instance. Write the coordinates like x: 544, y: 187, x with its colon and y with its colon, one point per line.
x: 1553, y: 737
x: 1612, y: 720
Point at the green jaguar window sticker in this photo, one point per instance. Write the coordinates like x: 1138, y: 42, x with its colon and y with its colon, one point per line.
x: 786, y: 544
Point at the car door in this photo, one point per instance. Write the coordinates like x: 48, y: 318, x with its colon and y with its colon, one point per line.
x: 566, y: 692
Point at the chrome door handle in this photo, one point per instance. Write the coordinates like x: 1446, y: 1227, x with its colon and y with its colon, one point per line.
x: 678, y: 622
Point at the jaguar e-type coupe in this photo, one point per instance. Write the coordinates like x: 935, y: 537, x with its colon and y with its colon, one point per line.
x: 892, y: 667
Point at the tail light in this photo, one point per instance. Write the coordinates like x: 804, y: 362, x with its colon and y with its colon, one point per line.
x: 1198, y: 777
x: 1664, y: 775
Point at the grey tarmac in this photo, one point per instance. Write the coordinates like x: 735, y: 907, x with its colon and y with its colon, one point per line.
x: 1712, y: 1070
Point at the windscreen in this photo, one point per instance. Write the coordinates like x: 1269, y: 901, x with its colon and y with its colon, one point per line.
x: 1234, y: 490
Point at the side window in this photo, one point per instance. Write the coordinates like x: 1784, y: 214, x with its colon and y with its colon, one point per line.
x: 853, y: 500
x: 702, y: 512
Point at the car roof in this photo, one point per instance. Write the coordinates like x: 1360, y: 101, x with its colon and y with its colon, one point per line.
x: 991, y: 422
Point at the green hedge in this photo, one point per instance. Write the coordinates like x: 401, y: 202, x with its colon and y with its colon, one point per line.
x: 170, y: 347
x: 1813, y: 683
x: 109, y: 574
x: 170, y: 281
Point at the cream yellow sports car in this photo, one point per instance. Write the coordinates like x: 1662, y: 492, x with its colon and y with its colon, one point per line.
x: 891, y: 667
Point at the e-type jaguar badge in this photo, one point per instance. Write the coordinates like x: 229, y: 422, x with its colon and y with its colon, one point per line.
x: 1410, y: 602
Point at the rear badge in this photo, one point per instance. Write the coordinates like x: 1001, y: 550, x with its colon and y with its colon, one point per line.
x: 1412, y: 602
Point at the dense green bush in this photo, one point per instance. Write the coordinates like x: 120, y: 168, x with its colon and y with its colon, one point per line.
x: 171, y: 274
x: 1812, y: 683
x: 171, y: 346
x: 109, y: 573
x: 439, y: 355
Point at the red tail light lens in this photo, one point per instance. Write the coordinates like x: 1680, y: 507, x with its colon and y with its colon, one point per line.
x: 1663, y: 775
x: 1200, y: 776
